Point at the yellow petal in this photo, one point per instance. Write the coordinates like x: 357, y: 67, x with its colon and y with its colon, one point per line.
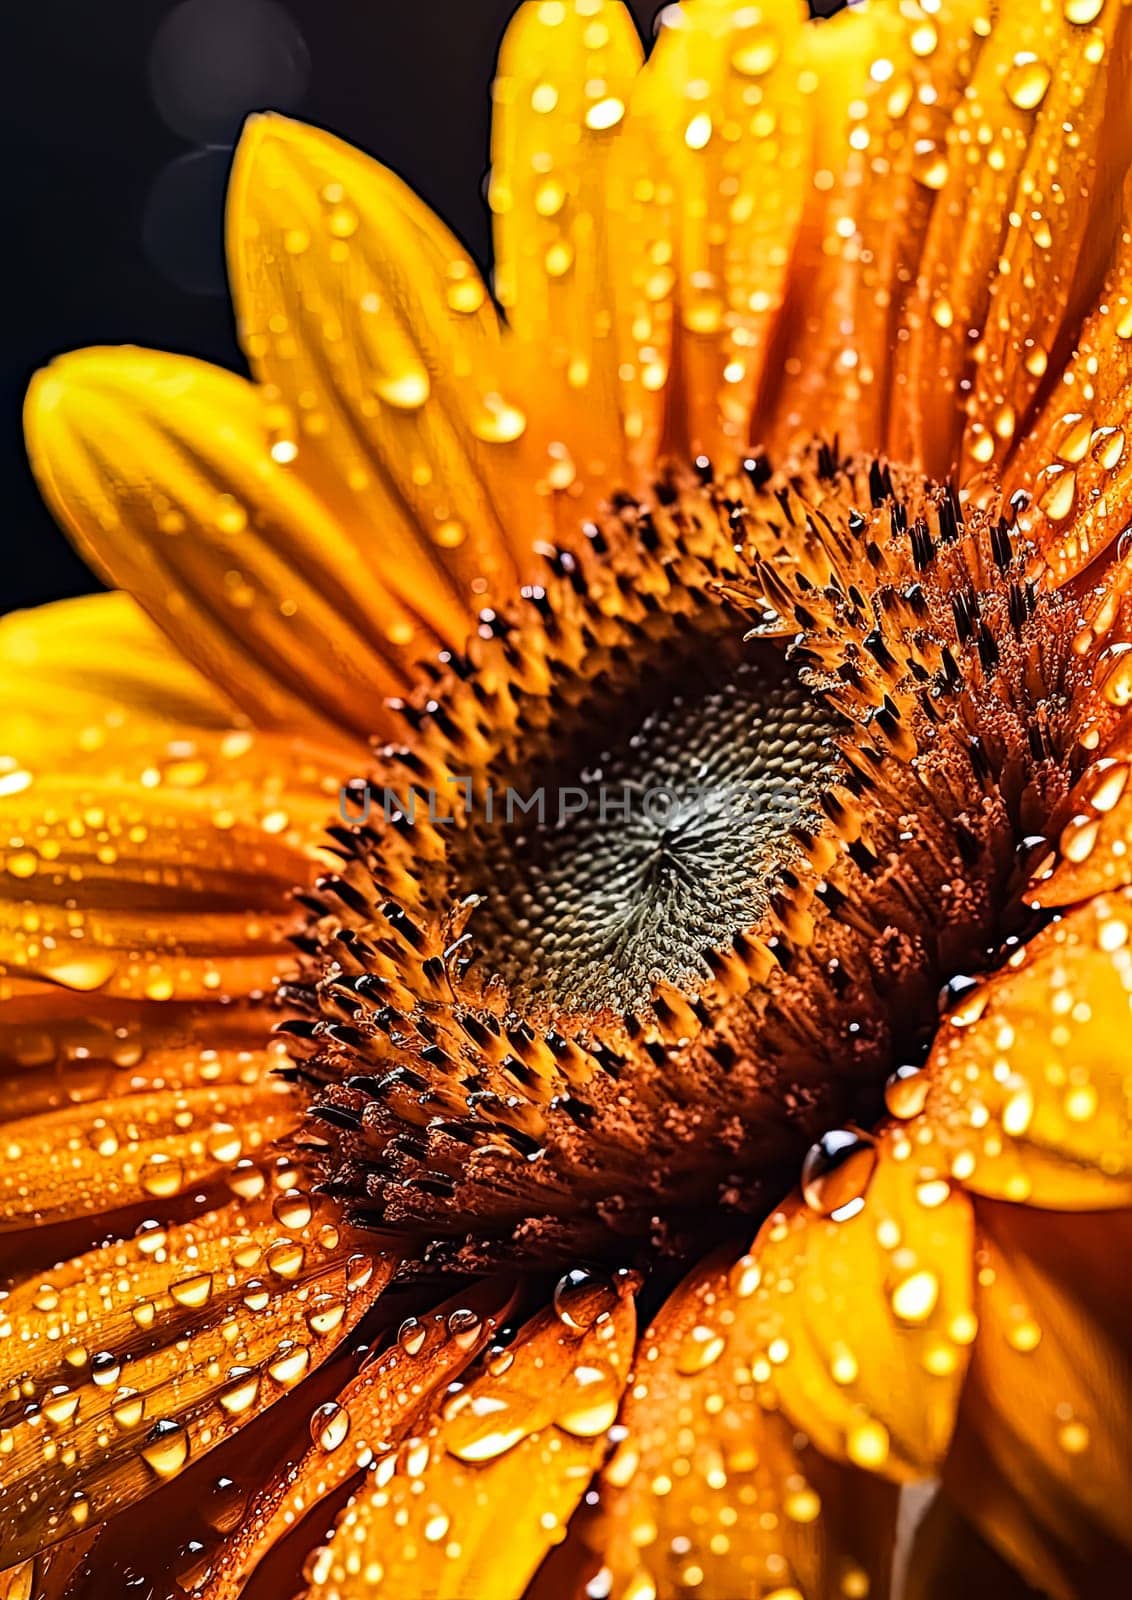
x: 1075, y: 459
x: 161, y: 470
x: 126, y: 1364
x: 711, y: 1492
x: 373, y: 1415
x: 864, y: 1323
x: 1044, y: 1462
x: 564, y: 80
x: 81, y: 661
x: 378, y: 343
x: 1021, y: 170
x: 722, y: 107
x: 886, y: 79
x: 1027, y: 1095
x: 471, y: 1504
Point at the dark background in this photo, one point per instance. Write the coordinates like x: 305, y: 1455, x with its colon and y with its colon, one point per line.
x: 117, y: 121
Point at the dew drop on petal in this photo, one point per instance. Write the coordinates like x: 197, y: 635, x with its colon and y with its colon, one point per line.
x: 836, y: 1172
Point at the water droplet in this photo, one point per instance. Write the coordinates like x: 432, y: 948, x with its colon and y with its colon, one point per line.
x: 289, y: 1363
x: 929, y: 165
x: 586, y: 1402
x: 915, y: 1297
x: 60, y: 1405
x: 1027, y: 81
x: 329, y: 1425
x: 240, y: 1390
x: 105, y: 1369
x: 698, y: 132
x: 161, y: 1175
x: 406, y: 390
x: 166, y: 1448
x: 906, y: 1092
x: 700, y: 1348
x: 604, y: 114
x: 324, y: 1314
x: 292, y: 1209
x: 482, y: 1426
x: 1075, y: 434
x: 411, y: 1336
x: 127, y: 1408
x: 1082, y: 12
x: 867, y: 1445
x: 193, y: 1291
x: 225, y: 1505
x: 582, y: 1298
x: 1073, y: 1437
x: 757, y: 54
x: 498, y: 422
x: 464, y: 1328
x: 836, y: 1172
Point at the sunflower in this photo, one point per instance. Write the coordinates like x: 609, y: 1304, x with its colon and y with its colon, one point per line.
x: 566, y: 926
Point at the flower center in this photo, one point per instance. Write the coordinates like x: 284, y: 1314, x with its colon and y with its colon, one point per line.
x: 654, y: 832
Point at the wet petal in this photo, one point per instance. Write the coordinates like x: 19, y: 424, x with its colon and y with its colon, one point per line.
x: 162, y: 470
x: 565, y: 76
x: 888, y: 79
x: 711, y: 1490
x: 1043, y: 1458
x: 998, y: 275
x: 1093, y: 851
x: 1026, y: 1094
x: 864, y: 1323
x: 722, y: 108
x: 472, y: 1503
x: 134, y: 1148
x: 1075, y: 458
x: 123, y: 1365
x: 376, y: 1412
x: 379, y: 345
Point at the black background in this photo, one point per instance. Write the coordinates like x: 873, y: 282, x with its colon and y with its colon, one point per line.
x: 114, y: 216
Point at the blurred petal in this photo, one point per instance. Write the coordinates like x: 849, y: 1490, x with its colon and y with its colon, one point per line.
x: 713, y: 1492
x: 161, y: 469
x: 1026, y: 1094
x: 371, y: 328
x: 472, y: 1503
x: 998, y: 275
x: 123, y: 1365
x: 565, y: 76
x: 372, y: 1416
x: 864, y: 1323
x: 80, y: 662
x: 1074, y: 458
x: 889, y: 77
x: 726, y: 79
x: 948, y: 1557
x: 1043, y: 1461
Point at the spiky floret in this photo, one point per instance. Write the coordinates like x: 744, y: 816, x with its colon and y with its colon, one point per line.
x: 477, y: 1089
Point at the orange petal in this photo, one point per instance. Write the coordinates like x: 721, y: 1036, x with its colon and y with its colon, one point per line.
x: 564, y: 80
x: 723, y: 92
x: 1093, y: 851
x: 109, y: 1154
x: 162, y: 470
x: 709, y: 1490
x: 1074, y: 458
x: 863, y: 1324
x: 1045, y: 1460
x: 1022, y: 194
x: 373, y: 1415
x: 381, y: 350
x: 1026, y: 1094
x: 472, y: 1503
x: 888, y: 78
x: 124, y: 1364
x: 948, y: 1556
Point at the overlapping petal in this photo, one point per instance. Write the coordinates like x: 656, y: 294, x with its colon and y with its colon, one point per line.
x: 380, y: 349
x: 1027, y: 1095
x: 1042, y: 1461
x: 471, y: 1504
x: 564, y: 79
x: 164, y: 472
x: 121, y: 1366
x: 712, y: 1489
